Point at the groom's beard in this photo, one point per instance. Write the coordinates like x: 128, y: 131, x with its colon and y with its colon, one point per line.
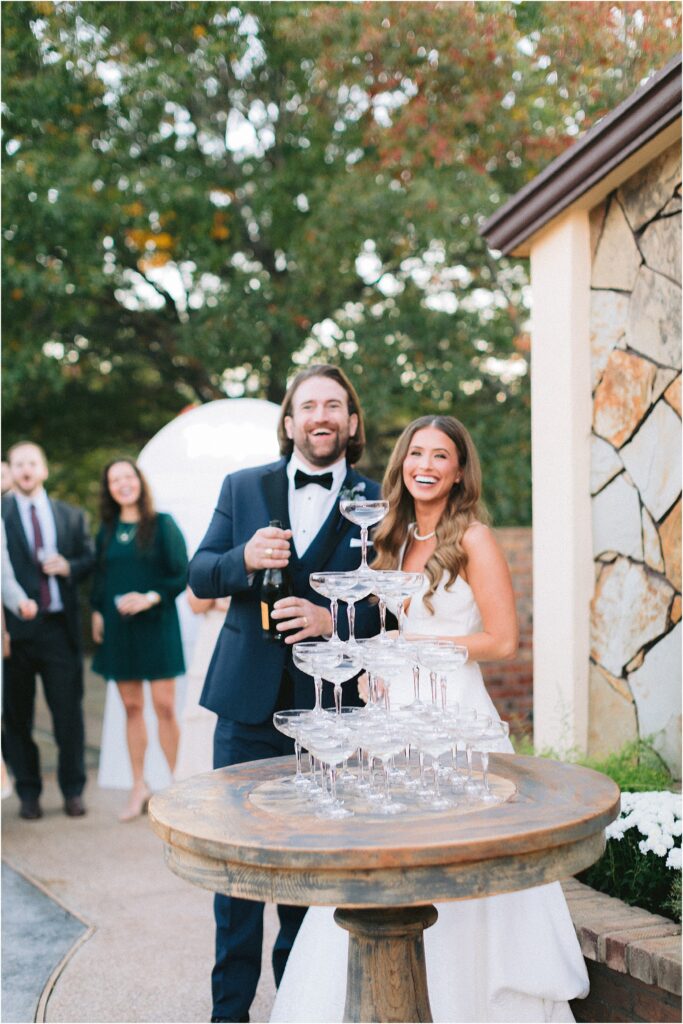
x: 324, y: 451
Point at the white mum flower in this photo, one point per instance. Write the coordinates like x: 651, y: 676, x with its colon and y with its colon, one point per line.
x: 674, y: 858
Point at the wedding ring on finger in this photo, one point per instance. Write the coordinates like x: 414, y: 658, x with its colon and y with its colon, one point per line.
x: 269, y: 552
x: 305, y: 622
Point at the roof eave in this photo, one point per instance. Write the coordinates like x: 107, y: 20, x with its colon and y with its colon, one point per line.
x: 630, y: 126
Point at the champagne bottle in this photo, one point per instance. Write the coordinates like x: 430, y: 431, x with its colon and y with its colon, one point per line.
x: 274, y: 586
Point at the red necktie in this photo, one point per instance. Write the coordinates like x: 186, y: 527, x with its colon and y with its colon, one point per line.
x: 44, y: 601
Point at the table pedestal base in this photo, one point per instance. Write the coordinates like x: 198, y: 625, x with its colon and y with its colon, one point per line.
x: 386, y: 978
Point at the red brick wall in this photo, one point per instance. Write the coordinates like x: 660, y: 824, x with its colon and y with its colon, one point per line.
x: 510, y: 683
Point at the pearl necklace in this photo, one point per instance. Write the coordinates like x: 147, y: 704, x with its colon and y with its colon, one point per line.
x: 418, y: 536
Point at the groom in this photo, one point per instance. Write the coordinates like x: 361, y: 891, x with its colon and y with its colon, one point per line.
x: 321, y: 436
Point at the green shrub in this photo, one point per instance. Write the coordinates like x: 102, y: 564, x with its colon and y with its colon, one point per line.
x: 639, y: 877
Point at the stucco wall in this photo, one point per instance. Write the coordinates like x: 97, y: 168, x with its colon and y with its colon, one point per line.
x: 635, y: 321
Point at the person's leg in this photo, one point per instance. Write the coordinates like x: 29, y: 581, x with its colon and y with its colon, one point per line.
x: 61, y: 671
x: 290, y: 922
x: 18, y: 699
x: 239, y: 923
x: 163, y: 699
x: 136, y: 731
x: 133, y: 699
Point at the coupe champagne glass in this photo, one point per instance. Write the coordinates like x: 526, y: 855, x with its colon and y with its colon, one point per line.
x: 289, y: 722
x: 315, y: 657
x: 469, y: 734
x: 352, y: 718
x: 384, y: 744
x: 386, y: 662
x: 358, y: 588
x: 364, y: 513
x: 332, y: 748
x: 490, y: 739
x: 433, y: 738
x: 454, y: 721
x: 443, y: 658
x: 382, y: 582
x: 405, y: 585
x: 331, y: 585
x: 349, y: 666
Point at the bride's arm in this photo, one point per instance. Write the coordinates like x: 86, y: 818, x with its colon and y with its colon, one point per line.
x: 489, y: 577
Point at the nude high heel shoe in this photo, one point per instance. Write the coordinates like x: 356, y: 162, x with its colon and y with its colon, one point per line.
x: 137, y: 804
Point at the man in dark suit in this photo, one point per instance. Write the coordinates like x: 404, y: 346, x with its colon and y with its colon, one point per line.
x: 321, y: 436
x: 51, y: 551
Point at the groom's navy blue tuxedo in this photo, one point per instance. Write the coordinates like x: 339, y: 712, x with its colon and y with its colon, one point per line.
x: 249, y: 678
x: 244, y: 676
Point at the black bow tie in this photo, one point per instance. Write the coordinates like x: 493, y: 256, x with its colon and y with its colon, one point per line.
x: 324, y: 479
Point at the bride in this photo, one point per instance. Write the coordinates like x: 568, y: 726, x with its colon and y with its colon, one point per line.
x: 512, y: 957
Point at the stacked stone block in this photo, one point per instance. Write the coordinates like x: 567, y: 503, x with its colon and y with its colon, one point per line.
x: 636, y: 462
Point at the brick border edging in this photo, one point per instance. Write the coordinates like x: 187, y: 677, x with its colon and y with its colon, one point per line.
x: 625, y: 939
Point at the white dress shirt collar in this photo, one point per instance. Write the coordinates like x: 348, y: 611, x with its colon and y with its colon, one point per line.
x: 310, y: 505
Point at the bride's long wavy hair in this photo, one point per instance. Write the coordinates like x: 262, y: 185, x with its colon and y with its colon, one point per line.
x: 464, y: 506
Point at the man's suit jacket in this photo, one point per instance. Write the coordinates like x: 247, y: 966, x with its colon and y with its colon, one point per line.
x: 244, y: 676
x: 73, y: 542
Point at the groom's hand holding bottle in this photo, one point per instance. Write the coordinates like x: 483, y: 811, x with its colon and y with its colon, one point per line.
x: 269, y: 548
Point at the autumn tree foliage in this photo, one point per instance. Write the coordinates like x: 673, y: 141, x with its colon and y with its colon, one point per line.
x: 199, y: 197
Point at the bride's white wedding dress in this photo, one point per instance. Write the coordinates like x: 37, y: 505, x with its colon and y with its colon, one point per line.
x: 513, y: 957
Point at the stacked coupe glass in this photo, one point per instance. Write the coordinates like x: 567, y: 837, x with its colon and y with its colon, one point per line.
x: 383, y: 759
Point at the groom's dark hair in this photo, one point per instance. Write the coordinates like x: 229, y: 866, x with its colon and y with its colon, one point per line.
x: 356, y: 444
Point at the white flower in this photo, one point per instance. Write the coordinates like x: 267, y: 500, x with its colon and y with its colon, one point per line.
x: 657, y: 817
x: 674, y: 858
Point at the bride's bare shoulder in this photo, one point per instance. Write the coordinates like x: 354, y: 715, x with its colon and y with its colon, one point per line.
x: 477, y: 533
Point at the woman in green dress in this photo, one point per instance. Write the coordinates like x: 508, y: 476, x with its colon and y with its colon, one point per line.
x: 141, y: 568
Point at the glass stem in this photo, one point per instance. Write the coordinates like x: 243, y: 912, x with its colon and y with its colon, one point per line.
x: 361, y: 766
x: 297, y: 754
x: 382, y: 618
x: 435, y: 768
x: 443, y: 692
x: 401, y: 616
x: 338, y: 697
x: 468, y: 752
x: 372, y: 687
x: 484, y: 755
x: 385, y: 766
x: 334, y: 605
x: 432, y: 683
x: 416, y: 683
x: 351, y: 613
x: 333, y: 783
x: 318, y: 683
x: 364, y: 547
x: 421, y: 759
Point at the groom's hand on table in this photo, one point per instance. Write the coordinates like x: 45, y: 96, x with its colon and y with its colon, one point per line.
x: 306, y: 618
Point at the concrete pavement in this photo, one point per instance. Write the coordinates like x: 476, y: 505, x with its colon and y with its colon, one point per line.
x: 95, y: 927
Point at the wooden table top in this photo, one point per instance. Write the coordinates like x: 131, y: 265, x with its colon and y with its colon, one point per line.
x: 241, y: 830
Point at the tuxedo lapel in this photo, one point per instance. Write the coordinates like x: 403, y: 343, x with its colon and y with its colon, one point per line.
x: 276, y: 490
x: 61, y: 526
x: 14, y: 527
x: 333, y: 531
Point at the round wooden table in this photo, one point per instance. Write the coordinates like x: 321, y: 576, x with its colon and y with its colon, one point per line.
x: 245, y: 831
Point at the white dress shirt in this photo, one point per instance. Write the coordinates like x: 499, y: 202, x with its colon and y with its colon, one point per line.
x: 310, y: 506
x: 48, y: 529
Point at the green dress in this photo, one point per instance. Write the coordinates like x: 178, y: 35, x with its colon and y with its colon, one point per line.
x: 147, y: 645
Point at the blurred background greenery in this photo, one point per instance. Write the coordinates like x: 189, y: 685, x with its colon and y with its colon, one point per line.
x: 198, y: 198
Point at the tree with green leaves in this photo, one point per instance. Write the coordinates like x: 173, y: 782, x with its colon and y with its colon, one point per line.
x: 200, y: 197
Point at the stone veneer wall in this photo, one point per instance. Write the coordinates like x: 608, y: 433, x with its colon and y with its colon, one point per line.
x: 635, y: 673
